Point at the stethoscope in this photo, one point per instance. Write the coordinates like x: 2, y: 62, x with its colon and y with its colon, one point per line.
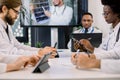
x: 7, y: 33
x: 62, y: 11
x: 117, y: 39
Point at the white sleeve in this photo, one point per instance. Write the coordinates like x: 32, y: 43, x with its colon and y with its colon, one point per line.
x: 110, y: 65
x: 18, y: 48
x: 6, y: 59
x: 25, y: 47
x: 111, y: 54
x: 114, y: 53
x: 3, y: 67
x: 21, y: 46
x: 14, y: 47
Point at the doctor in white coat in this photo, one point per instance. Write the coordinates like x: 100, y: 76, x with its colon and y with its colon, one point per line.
x: 9, y: 10
x: 59, y: 14
x: 87, y: 27
x: 107, y: 56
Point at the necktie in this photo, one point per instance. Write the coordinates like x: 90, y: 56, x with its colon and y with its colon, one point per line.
x: 7, y: 32
x: 86, y: 30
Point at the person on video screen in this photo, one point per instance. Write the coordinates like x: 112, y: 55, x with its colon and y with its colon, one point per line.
x: 60, y: 13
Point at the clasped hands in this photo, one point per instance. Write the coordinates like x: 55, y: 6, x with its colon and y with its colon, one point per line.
x: 81, y: 59
x: 83, y: 45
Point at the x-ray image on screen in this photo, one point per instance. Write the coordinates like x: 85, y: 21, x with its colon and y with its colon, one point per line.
x: 39, y: 7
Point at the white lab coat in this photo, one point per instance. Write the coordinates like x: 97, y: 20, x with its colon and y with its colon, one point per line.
x: 11, y: 45
x: 109, y: 52
x: 110, y: 65
x: 90, y: 30
x: 6, y: 59
x: 60, y: 15
x: 109, y: 48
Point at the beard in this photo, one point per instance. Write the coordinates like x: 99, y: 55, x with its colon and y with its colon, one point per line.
x: 9, y: 19
x: 56, y: 4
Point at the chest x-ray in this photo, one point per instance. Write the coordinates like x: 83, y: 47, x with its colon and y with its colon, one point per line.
x: 32, y: 12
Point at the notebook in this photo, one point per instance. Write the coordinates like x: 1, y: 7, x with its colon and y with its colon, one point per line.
x: 94, y: 38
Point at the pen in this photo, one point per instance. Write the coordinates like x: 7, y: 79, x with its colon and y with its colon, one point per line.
x: 55, y: 45
x: 43, y: 8
x: 56, y: 51
x: 78, y: 51
x: 88, y: 53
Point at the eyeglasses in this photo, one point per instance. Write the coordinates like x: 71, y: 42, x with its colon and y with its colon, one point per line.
x: 105, y: 13
x: 17, y: 12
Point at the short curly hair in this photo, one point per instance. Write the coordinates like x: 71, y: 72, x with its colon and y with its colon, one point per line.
x: 114, y: 5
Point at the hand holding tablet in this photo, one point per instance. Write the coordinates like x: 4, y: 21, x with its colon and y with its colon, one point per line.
x: 42, y: 64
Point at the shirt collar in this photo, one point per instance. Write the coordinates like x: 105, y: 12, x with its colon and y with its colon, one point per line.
x: 89, y: 29
x: 3, y: 23
x: 116, y: 27
x: 60, y: 6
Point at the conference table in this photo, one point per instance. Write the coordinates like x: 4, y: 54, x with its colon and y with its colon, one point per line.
x: 60, y: 68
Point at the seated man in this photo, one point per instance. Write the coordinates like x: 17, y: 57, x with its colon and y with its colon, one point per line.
x: 87, y: 20
x: 9, y: 11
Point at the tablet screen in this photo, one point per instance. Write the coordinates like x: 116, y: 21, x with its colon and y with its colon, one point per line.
x: 42, y: 62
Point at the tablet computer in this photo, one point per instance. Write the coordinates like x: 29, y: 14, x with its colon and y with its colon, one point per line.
x: 94, y: 38
x: 42, y: 64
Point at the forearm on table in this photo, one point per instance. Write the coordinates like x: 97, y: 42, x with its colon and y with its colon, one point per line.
x: 10, y: 67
